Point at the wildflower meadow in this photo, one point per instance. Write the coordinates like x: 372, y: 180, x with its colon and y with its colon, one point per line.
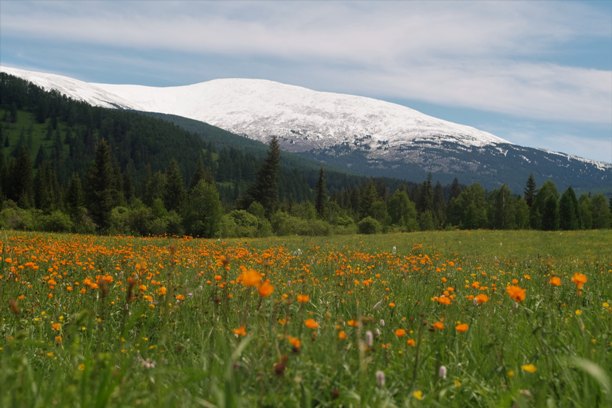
x: 444, y: 319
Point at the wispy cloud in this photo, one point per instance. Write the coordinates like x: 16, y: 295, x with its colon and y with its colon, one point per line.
x: 493, y: 56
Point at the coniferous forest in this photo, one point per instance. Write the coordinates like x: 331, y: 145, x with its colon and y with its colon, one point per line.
x: 67, y: 166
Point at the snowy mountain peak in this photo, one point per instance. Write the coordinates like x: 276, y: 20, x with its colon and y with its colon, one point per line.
x: 301, y: 118
x: 363, y: 134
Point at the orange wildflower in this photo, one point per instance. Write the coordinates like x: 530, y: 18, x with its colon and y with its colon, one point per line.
x: 443, y: 300
x: 311, y: 323
x: 265, y: 289
x: 400, y: 332
x: 342, y: 335
x: 240, y: 331
x: 56, y: 326
x: 555, y: 281
x: 481, y: 298
x: 303, y: 298
x: 411, y: 342
x: 516, y: 293
x: 438, y: 325
x: 249, y: 277
x: 462, y: 328
x: 295, y: 342
x: 579, y: 280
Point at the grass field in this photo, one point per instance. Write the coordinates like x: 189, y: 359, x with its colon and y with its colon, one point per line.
x: 435, y: 319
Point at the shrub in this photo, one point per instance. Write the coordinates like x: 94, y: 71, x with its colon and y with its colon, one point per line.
x: 57, y: 221
x: 369, y: 225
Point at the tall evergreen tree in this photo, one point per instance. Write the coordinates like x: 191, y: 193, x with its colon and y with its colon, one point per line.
x: 402, y: 210
x: 569, y: 215
x: 21, y: 179
x: 75, y: 197
x: 502, y: 210
x: 600, y: 211
x: 265, y: 189
x: 544, y: 212
x: 101, y: 186
x: 584, y: 209
x: 530, y: 190
x: 321, y: 195
x: 425, y: 196
x: 174, y: 193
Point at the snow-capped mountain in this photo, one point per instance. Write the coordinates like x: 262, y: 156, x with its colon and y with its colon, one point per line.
x: 366, y: 135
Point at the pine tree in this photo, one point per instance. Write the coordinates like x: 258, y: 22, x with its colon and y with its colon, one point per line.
x: 530, y: 190
x: 74, y: 195
x: 455, y: 189
x: 174, y: 193
x: 321, y: 195
x: 265, y: 189
x: 101, y: 185
x: 600, y: 211
x: 569, y: 216
x: 544, y: 211
x: 21, y: 179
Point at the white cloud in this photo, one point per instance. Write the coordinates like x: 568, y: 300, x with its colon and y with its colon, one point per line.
x: 482, y: 55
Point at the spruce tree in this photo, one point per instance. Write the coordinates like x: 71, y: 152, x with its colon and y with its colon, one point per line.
x: 530, y: 190
x: 569, y: 216
x: 321, y: 195
x: 21, y: 179
x: 74, y: 195
x: 101, y: 185
x: 265, y: 189
x: 174, y: 193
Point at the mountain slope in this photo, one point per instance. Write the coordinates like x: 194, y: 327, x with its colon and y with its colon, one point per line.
x: 365, y: 135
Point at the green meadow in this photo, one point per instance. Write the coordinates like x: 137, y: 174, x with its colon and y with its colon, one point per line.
x: 431, y: 319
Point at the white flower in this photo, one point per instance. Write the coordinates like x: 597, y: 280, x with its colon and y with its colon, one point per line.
x: 442, y: 372
x: 369, y: 338
x: 380, y: 379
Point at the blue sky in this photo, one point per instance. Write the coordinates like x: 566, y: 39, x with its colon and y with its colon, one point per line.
x: 537, y: 73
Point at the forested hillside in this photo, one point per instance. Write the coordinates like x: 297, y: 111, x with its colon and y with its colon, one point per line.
x: 67, y: 166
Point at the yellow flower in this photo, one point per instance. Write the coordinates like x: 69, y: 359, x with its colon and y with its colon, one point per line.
x: 529, y: 368
x: 578, y: 312
x: 418, y: 394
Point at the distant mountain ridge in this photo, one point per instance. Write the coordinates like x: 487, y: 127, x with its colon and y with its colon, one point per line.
x: 365, y: 135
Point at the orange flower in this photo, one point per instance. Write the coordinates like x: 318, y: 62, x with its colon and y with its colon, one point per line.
x: 443, y: 300
x: 391, y: 305
x: 516, y: 293
x: 249, y: 277
x: 179, y: 297
x: 56, y: 326
x: 296, y: 344
x: 341, y: 335
x: 240, y: 331
x: 400, y: 332
x: 462, y: 328
x: 352, y: 323
x: 311, y: 323
x: 481, y: 298
x: 579, y: 280
x: 303, y: 298
x: 411, y: 342
x: 265, y: 289
x: 438, y: 325
x: 555, y: 281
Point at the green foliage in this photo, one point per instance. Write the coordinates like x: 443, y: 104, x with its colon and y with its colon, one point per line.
x: 285, y: 224
x: 203, y: 211
x: 265, y: 189
x: 402, y: 211
x: 569, y: 213
x: 241, y: 223
x: 56, y: 221
x: 369, y: 225
x: 600, y: 212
